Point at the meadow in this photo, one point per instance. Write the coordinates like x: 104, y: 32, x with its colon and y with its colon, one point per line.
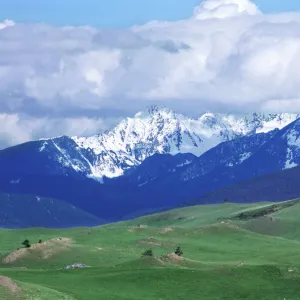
x: 230, y: 251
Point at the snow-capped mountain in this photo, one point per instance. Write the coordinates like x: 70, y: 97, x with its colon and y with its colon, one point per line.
x: 249, y: 156
x: 158, y: 130
x: 231, y: 162
x: 279, y: 153
x: 59, y: 167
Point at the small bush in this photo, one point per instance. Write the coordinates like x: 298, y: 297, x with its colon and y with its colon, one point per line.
x: 26, y: 243
x: 178, y: 251
x: 40, y: 241
x: 148, y: 253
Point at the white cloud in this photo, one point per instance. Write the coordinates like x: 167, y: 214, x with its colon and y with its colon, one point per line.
x: 227, y: 55
x: 6, y: 23
x: 224, y: 9
x: 16, y: 129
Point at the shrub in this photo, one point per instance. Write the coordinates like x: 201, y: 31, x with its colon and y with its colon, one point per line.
x: 26, y: 243
x: 178, y: 251
x: 148, y: 253
x: 40, y: 241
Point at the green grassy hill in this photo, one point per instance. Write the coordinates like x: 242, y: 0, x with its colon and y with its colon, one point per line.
x: 231, y: 251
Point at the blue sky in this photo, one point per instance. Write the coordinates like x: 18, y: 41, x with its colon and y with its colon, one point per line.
x: 113, y: 13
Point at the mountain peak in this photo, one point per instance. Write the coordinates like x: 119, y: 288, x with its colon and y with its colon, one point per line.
x: 152, y: 110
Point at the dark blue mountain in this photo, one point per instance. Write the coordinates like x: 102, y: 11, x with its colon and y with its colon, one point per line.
x: 19, y: 211
x: 61, y: 157
x: 279, y: 186
x: 158, y: 166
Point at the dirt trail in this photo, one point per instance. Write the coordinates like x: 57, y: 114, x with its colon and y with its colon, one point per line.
x: 7, y: 283
x: 45, y: 249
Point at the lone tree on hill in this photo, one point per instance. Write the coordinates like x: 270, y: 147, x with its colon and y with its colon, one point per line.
x: 148, y: 253
x: 26, y: 243
x: 178, y: 251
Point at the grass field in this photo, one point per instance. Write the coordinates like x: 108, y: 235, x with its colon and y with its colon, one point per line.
x: 231, y: 251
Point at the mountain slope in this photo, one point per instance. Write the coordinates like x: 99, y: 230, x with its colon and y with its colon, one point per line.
x: 228, y: 163
x: 279, y: 153
x: 226, y: 154
x: 59, y: 156
x: 19, y: 211
x: 275, y: 187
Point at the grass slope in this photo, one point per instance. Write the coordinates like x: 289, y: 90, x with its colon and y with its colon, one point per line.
x: 225, y: 257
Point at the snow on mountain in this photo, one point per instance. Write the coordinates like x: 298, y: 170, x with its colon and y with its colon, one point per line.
x: 229, y: 154
x: 163, y: 131
x: 292, y: 137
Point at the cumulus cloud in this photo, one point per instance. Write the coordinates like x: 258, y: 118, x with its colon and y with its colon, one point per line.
x: 224, y: 8
x: 227, y: 56
x: 16, y: 129
x: 6, y: 23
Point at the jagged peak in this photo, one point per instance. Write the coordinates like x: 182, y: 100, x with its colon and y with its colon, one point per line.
x: 153, y: 110
x: 207, y: 115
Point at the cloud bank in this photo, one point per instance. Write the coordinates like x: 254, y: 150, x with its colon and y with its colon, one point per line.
x: 228, y: 56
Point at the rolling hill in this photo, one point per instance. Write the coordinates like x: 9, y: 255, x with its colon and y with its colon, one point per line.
x: 219, y: 248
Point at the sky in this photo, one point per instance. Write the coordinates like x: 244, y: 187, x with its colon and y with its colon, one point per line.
x: 78, y: 67
x: 113, y: 13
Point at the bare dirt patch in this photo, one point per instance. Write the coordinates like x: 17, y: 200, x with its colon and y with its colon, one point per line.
x: 176, y: 259
x: 166, y: 230
x: 173, y: 258
x: 7, y: 283
x: 45, y: 250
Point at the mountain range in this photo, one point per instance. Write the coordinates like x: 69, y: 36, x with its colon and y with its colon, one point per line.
x: 155, y: 160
